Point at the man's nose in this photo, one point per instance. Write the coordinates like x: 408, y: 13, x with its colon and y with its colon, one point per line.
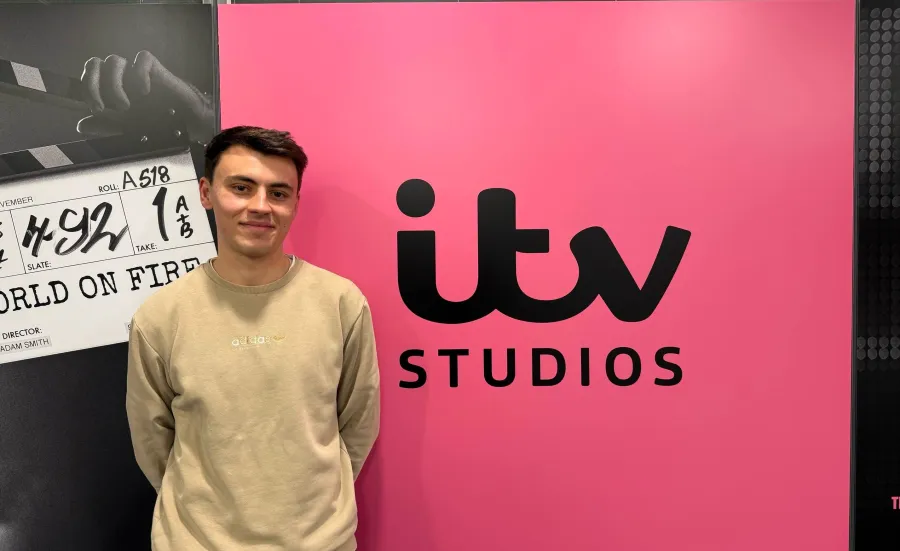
x: 260, y: 201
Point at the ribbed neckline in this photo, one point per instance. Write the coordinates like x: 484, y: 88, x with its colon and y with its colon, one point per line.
x: 208, y: 269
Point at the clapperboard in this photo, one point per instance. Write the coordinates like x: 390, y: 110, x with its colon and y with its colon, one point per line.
x: 90, y: 228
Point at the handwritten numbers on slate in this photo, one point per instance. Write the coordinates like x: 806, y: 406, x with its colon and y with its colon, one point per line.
x: 186, y: 230
x: 2, y: 251
x: 159, y: 201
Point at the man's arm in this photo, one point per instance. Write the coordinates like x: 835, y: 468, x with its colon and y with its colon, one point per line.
x: 359, y: 400
x: 148, y: 403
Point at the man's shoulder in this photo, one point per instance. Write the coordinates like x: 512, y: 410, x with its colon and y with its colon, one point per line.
x: 162, y: 305
x: 335, y: 288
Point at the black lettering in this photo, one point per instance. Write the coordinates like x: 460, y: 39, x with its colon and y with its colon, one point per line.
x: 536, y: 354
x: 170, y: 268
x: 81, y: 226
x: 585, y: 367
x: 601, y: 269
x: 56, y: 299
x: 179, y: 205
x: 108, y: 280
x: 611, y: 366
x: 156, y: 281
x: 171, y: 271
x: 19, y: 294
x: 186, y: 230
x: 103, y: 210
x: 417, y: 264
x: 419, y: 371
x: 159, y: 201
x: 127, y: 179
x: 454, y: 354
x: 37, y: 299
x: 152, y: 175
x: 5, y: 307
x: 662, y: 362
x: 93, y: 284
x: 510, y: 368
x: 135, y: 277
x: 36, y: 234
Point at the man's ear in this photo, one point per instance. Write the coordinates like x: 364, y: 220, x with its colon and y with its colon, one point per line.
x: 205, y: 190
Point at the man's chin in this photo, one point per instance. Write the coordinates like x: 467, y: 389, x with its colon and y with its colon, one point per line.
x: 256, y: 250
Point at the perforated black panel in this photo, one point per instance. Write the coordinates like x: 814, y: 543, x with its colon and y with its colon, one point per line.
x: 878, y: 279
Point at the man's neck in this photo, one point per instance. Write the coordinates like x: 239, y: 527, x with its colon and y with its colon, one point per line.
x: 241, y: 270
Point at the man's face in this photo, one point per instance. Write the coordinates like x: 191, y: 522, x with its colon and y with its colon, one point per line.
x: 254, y: 198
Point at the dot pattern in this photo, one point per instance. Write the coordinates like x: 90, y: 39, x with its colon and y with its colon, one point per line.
x: 878, y: 158
x: 877, y: 324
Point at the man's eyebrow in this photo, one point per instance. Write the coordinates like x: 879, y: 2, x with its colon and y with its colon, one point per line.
x: 249, y: 180
x: 240, y: 178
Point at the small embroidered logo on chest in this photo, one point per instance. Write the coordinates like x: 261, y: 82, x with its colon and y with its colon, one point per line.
x: 255, y: 341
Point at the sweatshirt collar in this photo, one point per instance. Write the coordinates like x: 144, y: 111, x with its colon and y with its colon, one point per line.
x: 211, y: 272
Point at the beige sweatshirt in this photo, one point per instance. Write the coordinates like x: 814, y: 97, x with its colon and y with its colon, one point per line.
x: 252, y: 410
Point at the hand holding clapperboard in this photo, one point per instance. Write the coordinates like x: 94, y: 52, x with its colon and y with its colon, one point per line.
x: 95, y: 226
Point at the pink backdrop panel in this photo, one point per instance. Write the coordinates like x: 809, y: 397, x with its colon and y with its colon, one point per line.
x: 732, y: 120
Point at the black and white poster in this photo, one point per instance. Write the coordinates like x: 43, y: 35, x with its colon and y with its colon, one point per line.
x: 100, y: 219
x: 104, y: 110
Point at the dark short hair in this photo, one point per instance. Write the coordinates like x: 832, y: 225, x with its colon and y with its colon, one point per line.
x: 263, y: 140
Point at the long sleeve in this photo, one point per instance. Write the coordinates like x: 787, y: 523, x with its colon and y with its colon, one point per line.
x: 359, y: 401
x: 148, y: 406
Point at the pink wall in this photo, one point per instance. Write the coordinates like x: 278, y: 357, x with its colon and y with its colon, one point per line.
x: 731, y: 120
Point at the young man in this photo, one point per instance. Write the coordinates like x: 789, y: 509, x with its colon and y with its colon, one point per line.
x: 253, y: 384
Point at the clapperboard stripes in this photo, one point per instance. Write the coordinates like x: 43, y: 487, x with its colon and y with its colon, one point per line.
x: 85, y: 153
x: 81, y: 153
x: 42, y: 85
x: 64, y: 91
